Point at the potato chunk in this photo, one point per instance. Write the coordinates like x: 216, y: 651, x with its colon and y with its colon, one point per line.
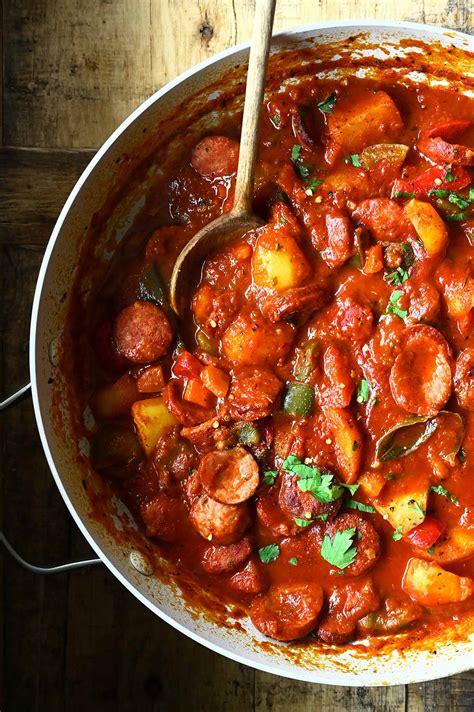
x: 151, y: 418
x: 431, y: 585
x: 403, y: 502
x: 357, y: 122
x: 429, y: 226
x: 278, y: 263
x: 347, y: 441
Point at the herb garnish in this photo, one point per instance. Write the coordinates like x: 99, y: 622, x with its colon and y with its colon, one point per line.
x: 449, y: 177
x: 403, y: 194
x: 302, y: 168
x: 276, y: 120
x: 443, y: 492
x: 354, y: 159
x: 269, y: 478
x: 293, y: 561
x: 397, y: 277
x: 416, y: 505
x: 363, y: 392
x: 302, y: 522
x: 320, y: 484
x: 339, y: 551
x: 354, y: 504
x: 397, y: 534
x: 269, y: 553
x: 327, y: 105
x: 392, y: 306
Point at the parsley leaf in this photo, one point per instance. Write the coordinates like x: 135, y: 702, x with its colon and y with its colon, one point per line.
x: 416, y: 505
x: 269, y: 477
x: 293, y: 561
x: 320, y: 484
x: 459, y: 201
x: 302, y: 522
x: 392, y: 306
x: 403, y: 194
x: 438, y: 193
x: 354, y: 504
x: 449, y: 177
x: 269, y: 553
x: 455, y: 217
x: 398, y: 276
x: 431, y: 550
x: 354, y: 158
x: 327, y: 105
x: 397, y: 534
x: 339, y: 551
x: 276, y: 120
x: 313, y: 183
x: 295, y: 152
x: 443, y: 492
x: 363, y: 392
x: 471, y: 194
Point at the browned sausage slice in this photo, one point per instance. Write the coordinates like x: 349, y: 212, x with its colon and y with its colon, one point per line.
x: 250, y: 580
x: 142, y: 332
x: 366, y: 541
x: 253, y: 393
x: 287, y: 612
x: 293, y: 301
x: 215, y: 156
x: 163, y: 517
x: 220, y: 523
x: 229, y: 476
x: 464, y: 378
x: 420, y: 378
x: 270, y: 515
x: 347, y: 605
x: 303, y: 505
x: 223, y: 559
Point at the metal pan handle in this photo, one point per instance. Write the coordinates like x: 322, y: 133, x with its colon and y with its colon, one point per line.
x: 43, y: 570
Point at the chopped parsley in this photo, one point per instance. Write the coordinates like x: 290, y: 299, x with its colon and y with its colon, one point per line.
x: 313, y: 183
x: 354, y: 504
x: 471, y: 194
x: 397, y: 277
x: 276, y: 120
x: 279, y: 194
x: 431, y: 550
x: 416, y: 505
x: 327, y: 105
x: 302, y: 522
x: 321, y: 485
x: 302, y: 168
x: 269, y: 553
x: 339, y: 551
x: 455, y: 217
x: 443, y: 492
x: 449, y: 177
x: 392, y: 306
x: 293, y: 561
x: 403, y: 194
x: 269, y: 478
x: 397, y: 534
x: 363, y: 392
x: 354, y: 159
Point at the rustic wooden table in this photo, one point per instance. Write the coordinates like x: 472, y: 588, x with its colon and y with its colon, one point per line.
x: 71, y: 72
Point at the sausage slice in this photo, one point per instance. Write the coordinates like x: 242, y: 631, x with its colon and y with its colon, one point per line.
x: 215, y: 156
x: 253, y: 393
x: 366, y: 542
x: 220, y: 523
x: 223, y: 559
x: 229, y: 476
x: 420, y: 378
x: 287, y: 612
x: 464, y: 378
x: 303, y: 505
x: 142, y: 332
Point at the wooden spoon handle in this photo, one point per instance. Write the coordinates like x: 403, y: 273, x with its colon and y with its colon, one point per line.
x: 254, y: 91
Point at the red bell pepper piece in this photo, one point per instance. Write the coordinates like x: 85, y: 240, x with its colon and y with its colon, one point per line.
x: 420, y: 185
x: 187, y: 366
x: 449, y: 130
x: 425, y: 534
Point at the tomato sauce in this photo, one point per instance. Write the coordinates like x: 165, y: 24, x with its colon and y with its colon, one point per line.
x: 301, y: 442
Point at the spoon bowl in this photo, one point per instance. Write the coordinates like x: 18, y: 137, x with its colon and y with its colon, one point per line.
x: 240, y: 219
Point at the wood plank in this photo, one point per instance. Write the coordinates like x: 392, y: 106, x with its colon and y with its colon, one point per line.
x: 451, y: 694
x: 73, y: 71
x: 36, y: 183
x: 34, y: 516
x: 282, y: 695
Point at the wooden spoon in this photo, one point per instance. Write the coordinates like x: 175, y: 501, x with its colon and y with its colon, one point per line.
x: 240, y: 219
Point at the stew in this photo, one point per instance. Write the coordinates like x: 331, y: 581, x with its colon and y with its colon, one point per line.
x: 302, y: 442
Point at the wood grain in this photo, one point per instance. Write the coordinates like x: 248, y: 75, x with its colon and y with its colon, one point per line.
x: 72, y: 71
